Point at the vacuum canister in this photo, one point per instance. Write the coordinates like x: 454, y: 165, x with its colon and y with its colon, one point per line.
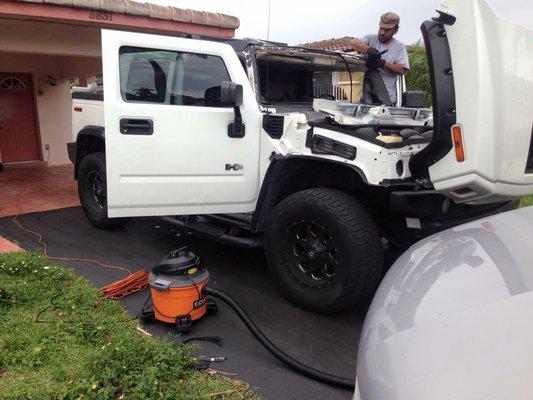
x: 176, y: 284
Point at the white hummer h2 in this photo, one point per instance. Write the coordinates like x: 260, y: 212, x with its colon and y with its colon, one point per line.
x: 227, y: 138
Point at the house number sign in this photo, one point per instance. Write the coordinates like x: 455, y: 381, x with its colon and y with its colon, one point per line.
x: 101, y: 15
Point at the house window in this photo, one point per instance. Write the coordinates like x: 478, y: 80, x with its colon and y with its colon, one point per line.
x: 12, y: 83
x: 171, y: 77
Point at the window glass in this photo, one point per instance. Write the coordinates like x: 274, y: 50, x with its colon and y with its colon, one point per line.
x: 12, y: 82
x: 169, y: 77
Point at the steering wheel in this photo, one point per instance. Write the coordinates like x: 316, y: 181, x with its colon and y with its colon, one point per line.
x: 326, y: 96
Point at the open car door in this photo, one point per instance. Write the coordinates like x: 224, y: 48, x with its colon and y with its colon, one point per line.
x: 480, y: 55
x: 169, y: 145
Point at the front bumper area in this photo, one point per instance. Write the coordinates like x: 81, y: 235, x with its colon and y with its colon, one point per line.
x: 433, y: 213
x: 473, y: 213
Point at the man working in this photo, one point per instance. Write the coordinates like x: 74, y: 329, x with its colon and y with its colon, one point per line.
x: 391, y: 64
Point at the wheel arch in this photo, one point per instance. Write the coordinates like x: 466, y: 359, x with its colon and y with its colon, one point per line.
x: 90, y: 139
x: 288, y: 175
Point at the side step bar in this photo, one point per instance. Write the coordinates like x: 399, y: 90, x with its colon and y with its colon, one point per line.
x: 214, y: 232
x: 243, y: 221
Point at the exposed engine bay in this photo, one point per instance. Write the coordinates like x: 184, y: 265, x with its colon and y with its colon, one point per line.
x: 378, y: 123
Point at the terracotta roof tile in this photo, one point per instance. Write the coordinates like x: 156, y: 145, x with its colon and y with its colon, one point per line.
x: 181, y: 15
x: 157, y: 11
x: 151, y: 10
x: 135, y: 8
x: 117, y: 6
x: 338, y: 44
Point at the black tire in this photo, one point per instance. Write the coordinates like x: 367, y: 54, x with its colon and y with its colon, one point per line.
x: 324, y: 249
x: 92, y: 191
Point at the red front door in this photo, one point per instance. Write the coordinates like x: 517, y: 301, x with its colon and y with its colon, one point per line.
x: 18, y: 132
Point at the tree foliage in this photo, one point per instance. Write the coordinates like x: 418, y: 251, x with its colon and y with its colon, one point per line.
x: 418, y: 76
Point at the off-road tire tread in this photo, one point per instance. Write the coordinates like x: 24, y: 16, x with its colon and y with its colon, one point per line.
x: 90, y: 162
x: 364, y: 234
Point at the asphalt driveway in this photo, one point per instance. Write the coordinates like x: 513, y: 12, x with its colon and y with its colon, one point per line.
x: 327, y: 343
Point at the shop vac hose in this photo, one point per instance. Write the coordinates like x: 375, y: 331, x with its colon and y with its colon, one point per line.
x: 275, y: 351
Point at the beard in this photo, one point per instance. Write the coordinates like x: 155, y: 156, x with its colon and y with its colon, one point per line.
x: 383, y: 38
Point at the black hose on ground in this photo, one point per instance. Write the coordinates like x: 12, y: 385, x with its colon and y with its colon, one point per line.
x: 275, y: 351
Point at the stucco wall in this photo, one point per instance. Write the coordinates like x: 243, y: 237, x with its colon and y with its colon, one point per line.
x: 43, y: 38
x: 54, y: 105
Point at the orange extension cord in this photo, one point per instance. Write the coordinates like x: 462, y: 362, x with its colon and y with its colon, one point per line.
x: 134, y: 282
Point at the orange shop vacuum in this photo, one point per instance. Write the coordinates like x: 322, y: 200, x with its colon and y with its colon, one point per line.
x: 176, y: 285
x: 179, y: 290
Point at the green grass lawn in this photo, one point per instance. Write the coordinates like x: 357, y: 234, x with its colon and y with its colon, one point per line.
x: 526, y: 201
x: 55, y: 343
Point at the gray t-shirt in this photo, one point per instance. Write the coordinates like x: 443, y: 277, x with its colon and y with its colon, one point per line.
x: 396, y: 54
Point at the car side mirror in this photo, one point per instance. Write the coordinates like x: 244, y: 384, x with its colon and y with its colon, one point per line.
x: 231, y: 96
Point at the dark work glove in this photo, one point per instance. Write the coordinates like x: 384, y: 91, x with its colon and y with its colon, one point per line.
x: 375, y: 63
x: 372, y: 53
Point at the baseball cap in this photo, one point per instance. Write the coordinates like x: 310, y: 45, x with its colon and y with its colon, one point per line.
x: 389, y: 20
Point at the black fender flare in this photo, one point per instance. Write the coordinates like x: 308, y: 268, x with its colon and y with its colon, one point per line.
x: 90, y: 139
x: 271, y: 188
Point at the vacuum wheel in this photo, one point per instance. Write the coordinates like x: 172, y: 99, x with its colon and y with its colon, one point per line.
x: 183, y: 323
x: 147, y: 314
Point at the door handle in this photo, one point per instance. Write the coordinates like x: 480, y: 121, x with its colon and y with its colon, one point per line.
x: 136, y: 126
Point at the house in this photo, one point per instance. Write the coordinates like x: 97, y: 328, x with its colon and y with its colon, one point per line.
x: 48, y: 45
x: 339, y: 45
x: 338, y: 83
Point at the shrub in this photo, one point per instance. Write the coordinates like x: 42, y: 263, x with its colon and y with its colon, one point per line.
x: 418, y: 76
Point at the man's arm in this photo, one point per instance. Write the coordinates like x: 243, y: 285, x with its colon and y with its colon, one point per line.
x: 395, y: 68
x: 358, y: 45
x: 401, y: 65
x: 381, y: 63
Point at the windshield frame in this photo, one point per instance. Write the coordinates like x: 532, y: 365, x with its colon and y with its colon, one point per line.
x: 349, y: 59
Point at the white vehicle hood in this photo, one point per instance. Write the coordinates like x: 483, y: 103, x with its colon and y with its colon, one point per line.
x: 452, y: 319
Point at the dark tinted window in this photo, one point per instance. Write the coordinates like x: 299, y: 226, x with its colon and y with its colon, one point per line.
x: 169, y: 77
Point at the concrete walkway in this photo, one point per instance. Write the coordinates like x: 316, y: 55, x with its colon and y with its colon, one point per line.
x: 31, y: 187
x: 8, y: 247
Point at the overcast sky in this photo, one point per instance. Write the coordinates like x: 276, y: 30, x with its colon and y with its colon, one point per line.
x: 301, y: 21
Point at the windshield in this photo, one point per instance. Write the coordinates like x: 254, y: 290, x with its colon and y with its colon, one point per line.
x: 299, y: 76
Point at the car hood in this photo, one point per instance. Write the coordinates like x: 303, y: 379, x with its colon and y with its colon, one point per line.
x: 452, y: 318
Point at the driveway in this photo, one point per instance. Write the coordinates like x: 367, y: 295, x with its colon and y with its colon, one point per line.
x: 34, y: 186
x: 327, y: 343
